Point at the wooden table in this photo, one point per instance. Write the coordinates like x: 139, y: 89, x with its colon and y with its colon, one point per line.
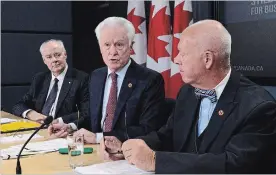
x: 48, y: 163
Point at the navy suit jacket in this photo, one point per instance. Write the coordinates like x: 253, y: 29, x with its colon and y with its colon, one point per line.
x: 138, y: 106
x: 74, y: 91
x: 241, y: 139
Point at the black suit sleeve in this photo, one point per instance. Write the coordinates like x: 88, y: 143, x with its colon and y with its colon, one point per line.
x: 152, y: 99
x: 254, y: 140
x: 82, y: 102
x: 27, y: 101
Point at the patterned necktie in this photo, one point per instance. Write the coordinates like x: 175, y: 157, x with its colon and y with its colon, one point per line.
x: 51, y: 99
x: 111, y: 104
x: 211, y: 94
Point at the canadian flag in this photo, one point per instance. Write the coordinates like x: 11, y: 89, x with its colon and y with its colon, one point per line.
x: 160, y: 40
x: 136, y: 15
x: 182, y: 18
x: 162, y: 43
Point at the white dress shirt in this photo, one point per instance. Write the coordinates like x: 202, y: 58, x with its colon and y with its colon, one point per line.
x: 60, y: 78
x: 207, y: 107
x: 120, y: 78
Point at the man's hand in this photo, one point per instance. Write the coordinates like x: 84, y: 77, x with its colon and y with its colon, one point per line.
x: 137, y: 152
x: 113, y: 145
x: 89, y: 137
x: 58, y: 130
x: 35, y: 116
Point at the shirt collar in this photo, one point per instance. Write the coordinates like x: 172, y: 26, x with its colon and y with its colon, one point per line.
x: 61, y: 75
x: 120, y: 72
x: 220, y: 87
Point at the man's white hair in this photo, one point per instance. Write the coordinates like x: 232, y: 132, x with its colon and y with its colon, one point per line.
x: 224, y: 49
x: 59, y: 42
x: 116, y: 21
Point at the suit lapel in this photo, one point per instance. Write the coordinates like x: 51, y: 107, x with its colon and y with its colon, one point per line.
x: 66, y: 85
x: 185, y: 118
x: 43, y: 94
x: 127, y: 87
x: 96, y: 97
x: 223, y: 109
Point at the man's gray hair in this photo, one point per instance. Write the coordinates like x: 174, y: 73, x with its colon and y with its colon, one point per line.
x: 116, y: 21
x: 59, y: 42
x: 225, y: 48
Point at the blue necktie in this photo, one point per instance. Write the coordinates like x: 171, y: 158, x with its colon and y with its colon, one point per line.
x: 51, y: 99
x: 211, y: 94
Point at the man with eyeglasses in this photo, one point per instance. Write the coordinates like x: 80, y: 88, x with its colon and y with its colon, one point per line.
x: 59, y: 92
x: 125, y: 98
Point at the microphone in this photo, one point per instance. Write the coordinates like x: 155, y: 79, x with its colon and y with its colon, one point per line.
x: 47, y: 121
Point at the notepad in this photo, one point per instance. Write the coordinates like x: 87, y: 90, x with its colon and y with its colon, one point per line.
x: 18, y: 138
x: 7, y: 120
x: 21, y: 125
x: 115, y: 167
x: 34, y: 148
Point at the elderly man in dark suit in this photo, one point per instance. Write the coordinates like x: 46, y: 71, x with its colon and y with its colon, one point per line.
x: 125, y: 98
x: 59, y: 92
x: 222, y: 122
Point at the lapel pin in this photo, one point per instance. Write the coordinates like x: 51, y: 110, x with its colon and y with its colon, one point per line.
x: 69, y: 82
x: 130, y: 85
x: 220, y: 112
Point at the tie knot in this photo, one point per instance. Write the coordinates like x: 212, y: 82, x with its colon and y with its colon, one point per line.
x: 56, y: 80
x: 211, y: 94
x: 113, y: 76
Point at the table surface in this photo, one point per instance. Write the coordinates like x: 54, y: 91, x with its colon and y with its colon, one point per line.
x: 48, y: 163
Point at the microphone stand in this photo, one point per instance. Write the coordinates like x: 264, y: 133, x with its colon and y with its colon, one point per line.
x: 47, y: 121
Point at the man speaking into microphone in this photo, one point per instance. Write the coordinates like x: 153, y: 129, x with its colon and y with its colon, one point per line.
x: 125, y: 98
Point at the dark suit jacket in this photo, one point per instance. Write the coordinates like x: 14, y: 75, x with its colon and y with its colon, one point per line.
x: 242, y: 140
x: 137, y: 111
x: 74, y: 91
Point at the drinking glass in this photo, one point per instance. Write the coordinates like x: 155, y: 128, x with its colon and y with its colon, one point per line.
x: 75, y: 150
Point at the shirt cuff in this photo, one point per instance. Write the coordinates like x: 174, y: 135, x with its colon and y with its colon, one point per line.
x: 24, y: 114
x: 99, y: 137
x: 73, y: 126
x: 60, y: 120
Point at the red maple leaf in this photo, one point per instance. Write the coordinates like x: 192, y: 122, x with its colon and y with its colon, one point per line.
x: 159, y: 25
x: 181, y: 21
x: 136, y: 20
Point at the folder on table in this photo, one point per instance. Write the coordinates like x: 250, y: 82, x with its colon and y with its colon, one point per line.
x: 21, y: 125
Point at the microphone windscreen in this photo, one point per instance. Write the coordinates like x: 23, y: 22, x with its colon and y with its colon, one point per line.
x: 48, y: 120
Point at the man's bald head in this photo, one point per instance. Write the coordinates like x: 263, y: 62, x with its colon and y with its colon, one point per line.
x: 204, y: 54
x: 210, y: 35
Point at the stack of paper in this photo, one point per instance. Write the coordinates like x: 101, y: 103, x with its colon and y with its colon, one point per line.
x: 17, y: 138
x: 7, y: 120
x: 34, y: 148
x: 116, y: 167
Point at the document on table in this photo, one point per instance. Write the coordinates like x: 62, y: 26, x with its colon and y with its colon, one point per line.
x: 17, y: 138
x: 7, y: 120
x: 115, y: 167
x: 34, y: 148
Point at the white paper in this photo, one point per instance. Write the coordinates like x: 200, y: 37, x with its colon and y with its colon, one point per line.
x: 115, y: 167
x: 17, y: 138
x: 7, y: 120
x: 34, y: 148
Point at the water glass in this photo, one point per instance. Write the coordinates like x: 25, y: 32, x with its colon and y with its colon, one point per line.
x: 75, y: 150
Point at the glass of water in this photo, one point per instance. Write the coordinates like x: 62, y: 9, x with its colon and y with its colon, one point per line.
x: 75, y: 150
